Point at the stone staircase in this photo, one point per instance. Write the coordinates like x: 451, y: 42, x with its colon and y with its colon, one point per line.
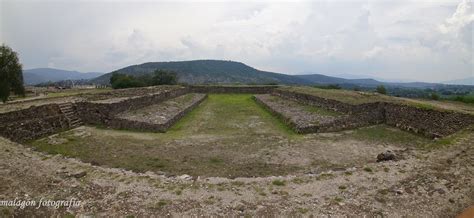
x: 68, y: 111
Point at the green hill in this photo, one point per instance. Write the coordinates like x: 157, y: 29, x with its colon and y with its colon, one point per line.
x: 208, y: 72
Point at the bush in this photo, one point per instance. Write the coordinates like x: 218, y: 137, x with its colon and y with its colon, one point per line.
x: 381, y: 89
x: 469, y: 99
x: 159, y: 77
x: 434, y: 96
x: 331, y: 86
x: 278, y: 182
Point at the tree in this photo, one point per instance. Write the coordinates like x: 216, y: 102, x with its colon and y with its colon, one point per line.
x: 159, y: 77
x: 163, y: 77
x: 11, y: 74
x: 122, y: 81
x: 381, y: 89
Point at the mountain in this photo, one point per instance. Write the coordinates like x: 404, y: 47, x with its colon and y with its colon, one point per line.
x: 231, y: 72
x: 357, y: 76
x: 323, y: 79
x: 41, y: 75
x: 208, y: 72
x: 465, y: 81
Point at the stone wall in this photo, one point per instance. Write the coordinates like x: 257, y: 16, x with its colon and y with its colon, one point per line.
x: 40, y: 121
x: 33, y: 123
x: 233, y: 89
x: 370, y: 114
x: 328, y: 104
x: 102, y: 113
x: 119, y: 123
x: 427, y: 122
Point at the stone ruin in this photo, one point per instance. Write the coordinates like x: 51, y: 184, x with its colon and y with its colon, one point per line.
x: 107, y: 109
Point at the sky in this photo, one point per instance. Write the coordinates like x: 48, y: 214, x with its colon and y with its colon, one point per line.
x: 392, y: 39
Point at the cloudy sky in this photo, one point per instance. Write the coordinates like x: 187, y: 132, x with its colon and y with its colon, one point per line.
x: 395, y: 39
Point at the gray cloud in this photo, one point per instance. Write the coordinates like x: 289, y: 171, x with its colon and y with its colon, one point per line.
x: 429, y: 41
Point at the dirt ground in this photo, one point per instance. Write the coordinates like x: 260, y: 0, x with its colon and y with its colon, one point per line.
x: 219, y: 160
x: 435, y: 182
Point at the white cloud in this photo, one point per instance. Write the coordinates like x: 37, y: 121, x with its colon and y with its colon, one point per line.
x: 428, y: 40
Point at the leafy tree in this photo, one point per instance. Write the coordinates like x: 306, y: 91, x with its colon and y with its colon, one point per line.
x: 122, y: 81
x: 381, y: 89
x: 11, y: 74
x: 163, y: 77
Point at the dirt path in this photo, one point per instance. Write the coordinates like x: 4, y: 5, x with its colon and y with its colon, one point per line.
x: 425, y: 183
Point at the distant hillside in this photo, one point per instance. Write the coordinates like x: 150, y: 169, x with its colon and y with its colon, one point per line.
x: 231, y: 72
x: 465, y: 81
x: 41, y: 75
x: 208, y: 72
x: 323, y: 79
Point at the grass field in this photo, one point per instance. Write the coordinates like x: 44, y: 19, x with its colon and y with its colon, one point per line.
x: 228, y: 135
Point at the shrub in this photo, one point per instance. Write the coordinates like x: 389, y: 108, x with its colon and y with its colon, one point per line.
x: 381, y: 89
x: 330, y: 86
x: 278, y: 182
x: 434, y: 96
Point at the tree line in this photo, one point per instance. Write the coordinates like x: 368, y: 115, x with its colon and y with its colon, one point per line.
x: 158, y: 77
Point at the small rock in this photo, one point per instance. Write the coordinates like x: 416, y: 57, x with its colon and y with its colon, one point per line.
x: 60, y: 171
x: 440, y: 191
x: 399, y: 191
x: 185, y: 177
x: 386, y: 156
x: 78, y: 174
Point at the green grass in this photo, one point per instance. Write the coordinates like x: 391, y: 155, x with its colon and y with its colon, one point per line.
x: 383, y: 133
x: 231, y: 108
x: 278, y: 182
